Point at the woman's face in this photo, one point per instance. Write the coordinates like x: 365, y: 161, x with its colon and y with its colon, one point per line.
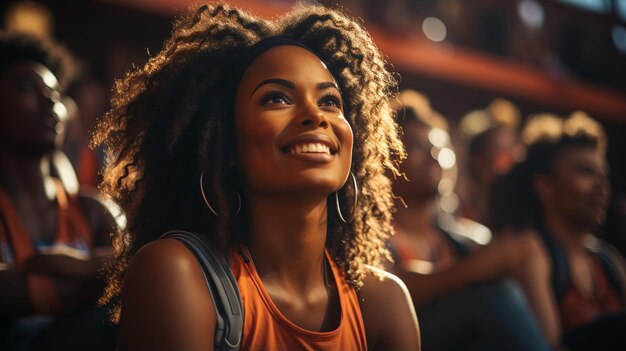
x: 291, y: 134
x: 578, y: 189
x: 31, y: 115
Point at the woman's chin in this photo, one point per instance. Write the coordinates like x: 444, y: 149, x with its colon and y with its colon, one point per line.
x: 320, y: 187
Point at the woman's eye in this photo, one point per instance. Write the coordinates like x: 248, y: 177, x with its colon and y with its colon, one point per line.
x: 274, y: 98
x: 331, y: 100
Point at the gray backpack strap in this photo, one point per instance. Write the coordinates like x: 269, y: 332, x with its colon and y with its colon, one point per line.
x: 222, y: 287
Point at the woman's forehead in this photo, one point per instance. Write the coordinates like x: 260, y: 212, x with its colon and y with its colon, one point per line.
x: 285, y: 61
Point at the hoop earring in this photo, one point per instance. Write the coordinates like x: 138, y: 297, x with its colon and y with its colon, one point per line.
x: 356, y: 198
x: 206, y: 202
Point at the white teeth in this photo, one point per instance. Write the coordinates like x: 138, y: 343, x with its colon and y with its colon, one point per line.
x: 309, y: 148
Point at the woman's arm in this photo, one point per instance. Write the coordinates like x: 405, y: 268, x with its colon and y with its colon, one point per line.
x: 65, y: 263
x: 388, y: 314
x: 521, y: 256
x: 166, y: 304
x: 498, y: 259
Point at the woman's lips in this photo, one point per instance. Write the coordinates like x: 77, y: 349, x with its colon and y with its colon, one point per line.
x: 312, y: 156
x: 311, y: 143
x: 315, y: 152
x: 309, y: 148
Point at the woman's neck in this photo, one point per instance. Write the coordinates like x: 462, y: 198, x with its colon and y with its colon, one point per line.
x: 287, y: 238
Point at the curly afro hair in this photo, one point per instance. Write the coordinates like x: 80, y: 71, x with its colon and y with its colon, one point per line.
x: 173, y: 118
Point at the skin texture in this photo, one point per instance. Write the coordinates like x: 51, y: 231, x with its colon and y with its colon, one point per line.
x: 286, y: 94
x: 521, y: 256
x: 268, y: 119
x: 30, y: 129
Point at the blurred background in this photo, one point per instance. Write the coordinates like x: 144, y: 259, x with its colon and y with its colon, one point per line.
x: 555, y: 56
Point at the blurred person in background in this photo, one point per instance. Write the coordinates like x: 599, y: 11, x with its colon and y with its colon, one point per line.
x: 490, y: 138
x: 468, y: 296
x: 561, y: 191
x: 52, y: 241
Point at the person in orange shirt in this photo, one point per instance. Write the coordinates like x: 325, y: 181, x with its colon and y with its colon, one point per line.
x: 272, y: 139
x: 52, y: 241
x: 561, y: 190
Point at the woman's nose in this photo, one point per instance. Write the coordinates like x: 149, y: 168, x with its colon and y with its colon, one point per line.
x: 312, y: 116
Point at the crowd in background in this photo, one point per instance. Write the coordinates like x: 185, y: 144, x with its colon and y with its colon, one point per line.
x: 497, y: 222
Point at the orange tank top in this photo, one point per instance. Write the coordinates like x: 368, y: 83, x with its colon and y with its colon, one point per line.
x: 266, y: 328
x: 577, y: 310
x: 16, y: 246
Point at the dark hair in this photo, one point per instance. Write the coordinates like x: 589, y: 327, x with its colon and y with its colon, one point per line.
x: 172, y: 118
x: 514, y: 202
x: 19, y: 47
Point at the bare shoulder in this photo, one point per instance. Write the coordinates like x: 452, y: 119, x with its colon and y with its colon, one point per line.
x: 165, y: 302
x: 388, y: 312
x: 379, y: 284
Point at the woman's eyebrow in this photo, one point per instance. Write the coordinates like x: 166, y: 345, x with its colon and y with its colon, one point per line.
x: 289, y: 84
x: 283, y: 82
x: 326, y: 85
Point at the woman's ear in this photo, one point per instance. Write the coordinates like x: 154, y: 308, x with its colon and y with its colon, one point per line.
x: 544, y: 188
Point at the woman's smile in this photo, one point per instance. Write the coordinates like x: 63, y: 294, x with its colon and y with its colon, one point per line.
x: 311, y: 147
x: 289, y: 124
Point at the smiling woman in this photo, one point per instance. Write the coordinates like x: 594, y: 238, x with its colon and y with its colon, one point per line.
x: 273, y: 118
x: 284, y: 124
